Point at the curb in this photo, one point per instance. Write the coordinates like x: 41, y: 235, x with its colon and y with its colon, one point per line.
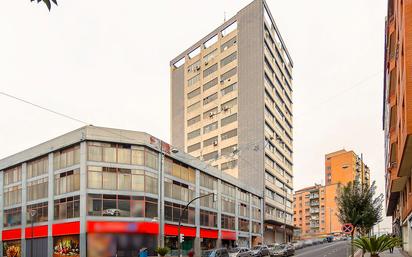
x: 358, y: 253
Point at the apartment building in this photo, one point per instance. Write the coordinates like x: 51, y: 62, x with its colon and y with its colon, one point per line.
x: 109, y: 192
x: 397, y: 118
x: 231, y: 106
x: 345, y: 166
x: 314, y: 211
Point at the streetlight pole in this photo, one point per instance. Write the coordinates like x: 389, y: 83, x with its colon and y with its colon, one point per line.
x: 33, y: 213
x: 179, y: 248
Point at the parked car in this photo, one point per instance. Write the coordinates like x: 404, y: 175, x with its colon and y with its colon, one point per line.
x: 219, y: 252
x: 240, y: 252
x: 329, y: 239
x: 307, y: 242
x: 260, y: 251
x: 282, y: 250
x: 297, y: 245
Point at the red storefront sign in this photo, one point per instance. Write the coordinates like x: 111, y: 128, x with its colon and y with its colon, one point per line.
x: 123, y: 227
x: 228, y: 235
x: 208, y: 233
x: 39, y: 231
x: 70, y: 228
x: 11, y: 234
x: 171, y: 230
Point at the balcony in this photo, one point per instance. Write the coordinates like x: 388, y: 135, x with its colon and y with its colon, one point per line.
x: 314, y: 210
x: 314, y: 203
x: 313, y: 196
x: 314, y: 224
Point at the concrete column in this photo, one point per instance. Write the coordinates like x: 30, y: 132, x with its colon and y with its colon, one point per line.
x: 219, y: 213
x: 1, y: 210
x: 160, y: 209
x: 23, y: 208
x: 50, y: 210
x: 197, y: 247
x: 250, y: 220
x: 262, y: 218
x: 237, y: 214
x: 83, y: 198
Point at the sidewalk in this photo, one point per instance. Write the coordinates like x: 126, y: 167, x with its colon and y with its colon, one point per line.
x: 396, y: 253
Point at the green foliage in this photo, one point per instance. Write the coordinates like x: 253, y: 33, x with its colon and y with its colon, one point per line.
x: 358, y: 205
x: 375, y: 245
x: 162, y: 251
x: 47, y: 2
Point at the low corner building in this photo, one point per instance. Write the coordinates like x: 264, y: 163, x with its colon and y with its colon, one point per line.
x: 99, y: 192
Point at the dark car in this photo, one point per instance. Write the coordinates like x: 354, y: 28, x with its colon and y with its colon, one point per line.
x: 240, y: 252
x: 282, y: 250
x: 260, y: 251
x: 220, y: 252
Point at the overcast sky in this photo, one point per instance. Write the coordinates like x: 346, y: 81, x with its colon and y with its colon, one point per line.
x: 107, y: 63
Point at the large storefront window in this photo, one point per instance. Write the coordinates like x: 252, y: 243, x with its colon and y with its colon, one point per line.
x: 208, y: 218
x: 67, y: 182
x: 12, y: 248
x: 12, y: 195
x: 12, y: 217
x: 208, y: 181
x: 37, y: 189
x: 122, y: 153
x: 120, y: 245
x: 228, y: 190
x: 66, y: 157
x: 67, y: 208
x: 64, y: 246
x: 121, y: 206
x: 38, y: 167
x: 12, y: 175
x: 40, y: 210
x: 173, y: 210
x: 121, y: 179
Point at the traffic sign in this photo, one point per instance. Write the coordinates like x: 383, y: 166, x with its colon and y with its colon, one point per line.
x: 347, y: 228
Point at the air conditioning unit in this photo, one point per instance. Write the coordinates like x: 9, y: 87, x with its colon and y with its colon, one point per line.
x: 215, y: 143
x: 188, y: 70
x: 224, y: 48
x: 206, y: 63
x: 211, y: 114
x: 222, y: 81
x: 225, y: 108
x: 197, y: 67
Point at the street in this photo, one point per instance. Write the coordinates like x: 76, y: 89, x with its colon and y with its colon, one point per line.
x: 335, y: 249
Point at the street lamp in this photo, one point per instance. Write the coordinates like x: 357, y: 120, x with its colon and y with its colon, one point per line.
x: 179, y: 248
x: 33, y: 213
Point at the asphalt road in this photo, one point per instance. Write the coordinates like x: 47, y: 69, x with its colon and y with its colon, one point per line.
x: 335, y: 249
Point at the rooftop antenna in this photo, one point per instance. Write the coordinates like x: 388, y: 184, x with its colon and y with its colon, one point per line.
x: 224, y: 16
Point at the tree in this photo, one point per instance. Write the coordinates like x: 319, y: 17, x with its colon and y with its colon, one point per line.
x: 47, y: 2
x: 376, y: 245
x: 358, y: 205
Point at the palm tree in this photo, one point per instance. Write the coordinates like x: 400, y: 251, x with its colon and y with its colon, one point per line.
x: 375, y: 245
x: 47, y: 2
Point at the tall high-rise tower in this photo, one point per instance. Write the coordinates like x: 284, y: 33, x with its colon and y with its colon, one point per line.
x: 231, y: 99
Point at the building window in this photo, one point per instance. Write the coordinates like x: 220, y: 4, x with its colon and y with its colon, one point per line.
x: 228, y: 205
x: 228, y: 89
x: 193, y: 120
x: 229, y: 151
x: 209, y: 98
x: 211, y: 127
x: 228, y: 74
x: 208, y: 181
x: 228, y: 59
x: 41, y: 210
x: 210, y: 113
x: 210, y: 156
x: 37, y: 189
x: 193, y: 107
x: 256, y: 227
x: 210, y: 56
x: 228, y: 120
x: 66, y: 157
x: 193, y: 134
x: 193, y: 93
x: 38, y: 167
x: 231, y: 42
x: 180, y: 170
x: 256, y: 213
x: 194, y: 147
x: 243, y: 210
x: 194, y: 67
x: 229, y: 104
x: 229, y: 134
x: 210, y: 141
x: 12, y: 175
x: 210, y: 84
x: 208, y: 218
x: 177, y: 190
x: 12, y: 195
x: 173, y: 211
x: 193, y: 80
x: 12, y: 217
x: 243, y: 225
x: 207, y: 201
x: 210, y: 70
x: 229, y: 28
x: 229, y: 165
x: 67, y: 182
x: 228, y: 222
x: 213, y: 40
x: 67, y: 208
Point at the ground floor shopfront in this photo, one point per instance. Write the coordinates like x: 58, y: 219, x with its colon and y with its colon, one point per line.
x: 276, y: 234
x: 114, y: 239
